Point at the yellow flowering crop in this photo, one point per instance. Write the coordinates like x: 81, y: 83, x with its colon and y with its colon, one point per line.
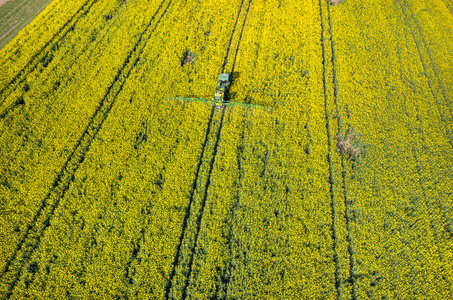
x: 343, y: 190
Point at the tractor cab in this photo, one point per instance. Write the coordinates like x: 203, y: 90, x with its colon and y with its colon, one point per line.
x: 223, y: 81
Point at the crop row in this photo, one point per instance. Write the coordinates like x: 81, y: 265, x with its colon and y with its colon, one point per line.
x: 95, y: 194
x: 431, y: 70
x: 392, y: 102
x: 174, y: 200
x: 266, y: 227
x: 126, y: 202
x: 344, y: 261
x: 27, y: 136
x: 43, y: 212
x: 189, y: 239
x: 31, y: 46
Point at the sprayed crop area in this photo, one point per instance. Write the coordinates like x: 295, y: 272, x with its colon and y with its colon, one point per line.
x: 342, y: 190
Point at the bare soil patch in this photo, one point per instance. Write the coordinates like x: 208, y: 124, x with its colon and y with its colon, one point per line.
x: 346, y: 146
x: 334, y: 2
x: 16, y: 15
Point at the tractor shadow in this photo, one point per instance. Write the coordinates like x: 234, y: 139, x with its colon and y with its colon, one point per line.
x: 233, y: 95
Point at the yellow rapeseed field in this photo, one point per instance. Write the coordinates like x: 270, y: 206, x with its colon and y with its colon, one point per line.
x: 341, y: 189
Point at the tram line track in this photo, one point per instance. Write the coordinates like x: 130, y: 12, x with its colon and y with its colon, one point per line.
x: 183, y: 263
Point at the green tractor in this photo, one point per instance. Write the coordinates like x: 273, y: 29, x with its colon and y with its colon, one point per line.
x: 223, y: 84
x: 221, y: 95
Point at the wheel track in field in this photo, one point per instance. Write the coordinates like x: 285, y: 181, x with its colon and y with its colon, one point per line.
x: 41, y: 220
x: 241, y: 171
x: 415, y: 150
x: 199, y: 215
x: 331, y: 149
x: 338, y: 280
x: 352, y: 264
x: 41, y: 55
x: 187, y: 214
x: 421, y: 42
x: 230, y: 246
x: 433, y: 67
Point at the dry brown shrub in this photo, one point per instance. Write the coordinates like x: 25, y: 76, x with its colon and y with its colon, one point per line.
x: 345, y: 146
